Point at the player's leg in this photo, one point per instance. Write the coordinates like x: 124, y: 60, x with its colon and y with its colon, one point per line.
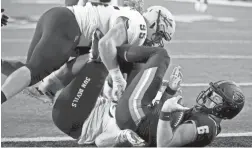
x: 60, y: 33
x: 62, y: 77
x: 143, y: 88
x: 78, y: 98
x: 9, y: 66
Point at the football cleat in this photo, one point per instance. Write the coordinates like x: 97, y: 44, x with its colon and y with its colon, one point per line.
x: 34, y: 92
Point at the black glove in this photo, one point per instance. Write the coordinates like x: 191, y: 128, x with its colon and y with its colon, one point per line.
x: 4, y: 18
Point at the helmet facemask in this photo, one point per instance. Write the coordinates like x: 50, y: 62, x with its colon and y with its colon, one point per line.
x: 208, y: 99
x: 160, y: 33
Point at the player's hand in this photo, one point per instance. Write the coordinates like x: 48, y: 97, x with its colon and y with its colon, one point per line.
x: 176, y: 79
x: 94, y: 52
x: 132, y: 138
x: 171, y: 105
x: 4, y: 18
x: 119, y: 86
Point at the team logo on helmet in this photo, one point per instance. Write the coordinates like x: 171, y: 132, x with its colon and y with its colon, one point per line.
x: 238, y: 97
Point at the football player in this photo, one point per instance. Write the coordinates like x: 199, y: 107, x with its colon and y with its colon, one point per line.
x: 169, y: 124
x: 53, y: 40
x: 65, y: 74
x: 201, y: 124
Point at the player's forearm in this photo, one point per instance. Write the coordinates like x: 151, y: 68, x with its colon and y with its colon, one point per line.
x: 167, y: 94
x: 108, y: 54
x: 164, y: 133
x: 164, y: 129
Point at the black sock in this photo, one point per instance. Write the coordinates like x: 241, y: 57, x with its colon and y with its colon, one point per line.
x: 3, y: 97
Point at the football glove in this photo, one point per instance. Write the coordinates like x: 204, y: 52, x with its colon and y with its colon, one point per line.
x: 176, y: 79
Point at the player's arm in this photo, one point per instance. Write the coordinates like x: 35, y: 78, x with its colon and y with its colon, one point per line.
x: 182, y: 135
x: 116, y: 36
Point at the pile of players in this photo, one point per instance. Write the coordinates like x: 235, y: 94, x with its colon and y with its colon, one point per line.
x: 114, y: 94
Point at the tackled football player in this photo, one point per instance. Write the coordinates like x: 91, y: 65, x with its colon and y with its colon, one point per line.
x: 200, y: 125
x: 170, y: 124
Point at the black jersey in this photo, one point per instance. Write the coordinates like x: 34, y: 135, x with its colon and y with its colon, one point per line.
x: 207, y: 128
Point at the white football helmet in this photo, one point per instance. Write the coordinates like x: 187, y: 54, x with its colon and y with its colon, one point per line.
x: 160, y: 24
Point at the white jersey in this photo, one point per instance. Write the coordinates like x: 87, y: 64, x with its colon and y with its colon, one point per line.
x: 101, y: 119
x: 94, y: 16
x: 97, y: 122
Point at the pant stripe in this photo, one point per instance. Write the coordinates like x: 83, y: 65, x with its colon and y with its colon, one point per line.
x: 136, y: 97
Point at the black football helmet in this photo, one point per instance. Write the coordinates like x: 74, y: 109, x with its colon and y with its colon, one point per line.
x: 232, y: 103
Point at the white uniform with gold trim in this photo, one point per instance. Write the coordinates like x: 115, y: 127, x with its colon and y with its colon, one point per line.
x: 94, y: 16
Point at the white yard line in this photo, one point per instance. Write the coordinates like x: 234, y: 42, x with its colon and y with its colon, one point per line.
x: 218, y: 57
x: 211, y: 41
x: 41, y: 139
x: 38, y: 1
x: 207, y: 84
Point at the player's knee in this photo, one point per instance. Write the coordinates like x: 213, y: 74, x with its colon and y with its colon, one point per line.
x: 163, y: 55
x: 160, y: 58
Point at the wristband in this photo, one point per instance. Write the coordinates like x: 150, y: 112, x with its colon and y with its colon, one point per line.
x: 170, y: 91
x: 165, y: 116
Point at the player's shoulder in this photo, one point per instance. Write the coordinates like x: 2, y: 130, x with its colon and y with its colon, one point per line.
x: 200, y: 118
x: 134, y: 23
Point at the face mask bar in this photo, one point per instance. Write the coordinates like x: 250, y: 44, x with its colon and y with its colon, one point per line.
x: 157, y: 37
x: 206, y: 95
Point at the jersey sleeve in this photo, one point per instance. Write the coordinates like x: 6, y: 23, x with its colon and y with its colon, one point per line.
x: 134, y: 24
